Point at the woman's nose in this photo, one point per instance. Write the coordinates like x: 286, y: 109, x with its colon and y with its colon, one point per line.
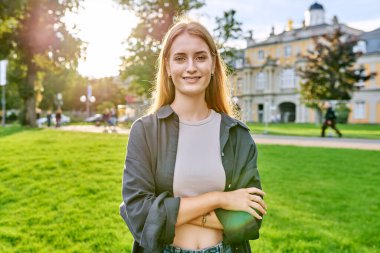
x: 191, y: 68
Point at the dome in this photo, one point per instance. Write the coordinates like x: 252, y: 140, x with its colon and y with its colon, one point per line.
x: 316, y: 6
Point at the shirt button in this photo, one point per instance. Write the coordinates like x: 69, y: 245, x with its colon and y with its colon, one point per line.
x: 222, y: 153
x: 229, y: 186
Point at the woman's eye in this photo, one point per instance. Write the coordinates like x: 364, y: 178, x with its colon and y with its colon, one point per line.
x: 179, y: 58
x: 201, y: 58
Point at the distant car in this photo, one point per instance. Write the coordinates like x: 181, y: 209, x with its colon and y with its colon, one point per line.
x: 94, y: 118
x: 64, y: 119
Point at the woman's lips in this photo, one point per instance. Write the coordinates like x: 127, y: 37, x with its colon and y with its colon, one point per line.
x: 191, y: 79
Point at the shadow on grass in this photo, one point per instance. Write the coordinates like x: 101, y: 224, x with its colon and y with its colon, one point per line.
x: 15, y: 129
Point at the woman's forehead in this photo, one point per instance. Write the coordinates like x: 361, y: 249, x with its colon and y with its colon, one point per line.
x: 186, y: 42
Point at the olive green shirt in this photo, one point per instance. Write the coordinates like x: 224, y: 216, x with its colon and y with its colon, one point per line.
x: 149, y: 207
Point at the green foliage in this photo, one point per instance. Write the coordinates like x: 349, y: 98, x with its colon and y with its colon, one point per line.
x: 227, y: 30
x: 36, y: 42
x: 101, y: 108
x: 60, y: 192
x: 143, y: 45
x: 329, y: 73
x: 342, y: 113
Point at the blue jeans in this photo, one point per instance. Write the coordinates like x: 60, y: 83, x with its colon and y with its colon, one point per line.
x: 219, y: 248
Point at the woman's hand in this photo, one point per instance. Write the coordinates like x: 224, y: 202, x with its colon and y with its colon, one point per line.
x: 246, y: 199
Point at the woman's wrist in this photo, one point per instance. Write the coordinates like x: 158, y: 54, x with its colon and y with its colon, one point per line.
x: 217, y: 199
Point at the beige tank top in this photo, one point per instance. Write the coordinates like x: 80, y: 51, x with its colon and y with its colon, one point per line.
x: 198, y: 167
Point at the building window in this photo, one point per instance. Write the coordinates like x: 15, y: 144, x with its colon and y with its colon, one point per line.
x: 239, y: 63
x: 361, y: 46
x: 287, y: 51
x: 261, y: 54
x: 239, y: 85
x: 359, y: 110
x: 288, y: 79
x: 260, y: 81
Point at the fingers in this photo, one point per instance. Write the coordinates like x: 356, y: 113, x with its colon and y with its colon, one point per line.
x: 254, y: 190
x: 254, y: 213
x: 257, y: 207
x: 259, y: 200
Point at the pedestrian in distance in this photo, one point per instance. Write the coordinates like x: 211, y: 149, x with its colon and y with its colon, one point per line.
x: 38, y: 117
x: 330, y: 120
x: 58, y: 116
x: 190, y: 178
x: 106, y: 117
x: 48, y: 118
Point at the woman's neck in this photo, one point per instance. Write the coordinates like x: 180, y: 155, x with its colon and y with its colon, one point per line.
x: 190, y: 108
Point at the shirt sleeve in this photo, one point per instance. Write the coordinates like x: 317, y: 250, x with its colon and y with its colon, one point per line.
x: 241, y: 226
x: 151, y: 218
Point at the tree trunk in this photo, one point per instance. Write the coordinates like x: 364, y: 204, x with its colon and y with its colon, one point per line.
x: 30, y: 101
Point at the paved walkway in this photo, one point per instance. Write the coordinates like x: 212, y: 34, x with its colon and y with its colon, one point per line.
x: 269, y: 139
x: 318, y: 142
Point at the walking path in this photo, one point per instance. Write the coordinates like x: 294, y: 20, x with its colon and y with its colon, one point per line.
x: 269, y: 139
x: 318, y: 142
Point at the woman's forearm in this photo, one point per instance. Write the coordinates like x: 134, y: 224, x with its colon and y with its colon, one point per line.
x: 211, y: 221
x: 191, y: 208
x: 246, y: 199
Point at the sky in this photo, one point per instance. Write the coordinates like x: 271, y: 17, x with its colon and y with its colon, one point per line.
x: 105, y: 26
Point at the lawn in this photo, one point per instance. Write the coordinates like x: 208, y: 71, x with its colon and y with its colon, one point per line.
x: 60, y: 192
x: 367, y: 131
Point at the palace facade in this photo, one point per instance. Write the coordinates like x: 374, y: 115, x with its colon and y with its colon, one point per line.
x: 266, y: 83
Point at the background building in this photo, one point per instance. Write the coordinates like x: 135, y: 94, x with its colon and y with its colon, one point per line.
x: 266, y: 83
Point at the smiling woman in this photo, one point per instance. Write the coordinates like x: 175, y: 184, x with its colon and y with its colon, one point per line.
x: 103, y: 25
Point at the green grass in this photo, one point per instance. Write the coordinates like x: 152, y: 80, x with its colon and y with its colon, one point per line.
x: 60, y: 192
x: 366, y: 131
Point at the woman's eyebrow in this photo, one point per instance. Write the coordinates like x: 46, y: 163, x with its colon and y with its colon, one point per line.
x: 198, y: 52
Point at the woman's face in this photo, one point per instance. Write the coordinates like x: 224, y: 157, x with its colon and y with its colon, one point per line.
x: 190, y: 65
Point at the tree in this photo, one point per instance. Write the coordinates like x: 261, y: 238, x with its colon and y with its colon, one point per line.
x: 155, y: 19
x: 330, y: 72
x: 34, y: 37
x: 228, y: 29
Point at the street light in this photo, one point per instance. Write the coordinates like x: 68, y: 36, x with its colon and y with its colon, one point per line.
x: 3, y: 82
x: 59, y: 101
x: 88, y: 99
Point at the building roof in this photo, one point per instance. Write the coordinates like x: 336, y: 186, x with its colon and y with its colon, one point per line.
x: 304, y: 33
x: 316, y: 6
x: 372, y: 39
x: 375, y: 34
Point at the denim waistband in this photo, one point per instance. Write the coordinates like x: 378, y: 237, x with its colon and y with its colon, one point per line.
x: 219, y: 248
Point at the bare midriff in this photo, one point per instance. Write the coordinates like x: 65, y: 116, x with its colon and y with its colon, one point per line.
x: 194, y: 237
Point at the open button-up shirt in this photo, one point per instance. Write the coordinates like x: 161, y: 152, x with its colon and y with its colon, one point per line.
x: 149, y: 208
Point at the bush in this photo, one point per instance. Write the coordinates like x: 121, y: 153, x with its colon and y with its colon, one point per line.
x: 342, y: 113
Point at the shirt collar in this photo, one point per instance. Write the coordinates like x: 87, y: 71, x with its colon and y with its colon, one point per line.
x: 166, y: 110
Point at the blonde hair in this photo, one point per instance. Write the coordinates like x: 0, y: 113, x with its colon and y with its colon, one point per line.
x: 217, y: 93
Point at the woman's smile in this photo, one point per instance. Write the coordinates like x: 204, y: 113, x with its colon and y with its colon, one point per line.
x: 191, y: 79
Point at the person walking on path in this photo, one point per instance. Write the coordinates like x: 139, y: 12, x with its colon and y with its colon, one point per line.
x: 48, y: 118
x: 330, y: 120
x: 58, y: 115
x: 190, y: 179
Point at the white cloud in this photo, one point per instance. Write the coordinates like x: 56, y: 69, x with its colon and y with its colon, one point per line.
x: 365, y: 25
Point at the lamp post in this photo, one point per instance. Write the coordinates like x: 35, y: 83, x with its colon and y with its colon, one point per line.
x: 59, y: 101
x: 88, y: 99
x: 3, y: 82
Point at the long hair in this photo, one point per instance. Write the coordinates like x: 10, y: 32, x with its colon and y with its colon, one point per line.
x: 217, y: 93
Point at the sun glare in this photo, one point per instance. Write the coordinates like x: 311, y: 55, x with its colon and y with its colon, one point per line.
x: 104, y: 25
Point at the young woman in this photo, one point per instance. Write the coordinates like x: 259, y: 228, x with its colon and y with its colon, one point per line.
x: 190, y: 181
